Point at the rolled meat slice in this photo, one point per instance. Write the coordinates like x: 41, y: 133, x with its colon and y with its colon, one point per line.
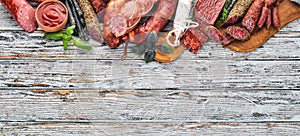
x: 22, y: 12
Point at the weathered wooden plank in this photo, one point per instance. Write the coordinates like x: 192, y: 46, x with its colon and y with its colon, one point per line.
x: 20, y: 44
x: 232, y: 129
x: 135, y: 74
x: 156, y: 105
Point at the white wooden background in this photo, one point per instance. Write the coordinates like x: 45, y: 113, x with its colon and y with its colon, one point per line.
x: 45, y: 90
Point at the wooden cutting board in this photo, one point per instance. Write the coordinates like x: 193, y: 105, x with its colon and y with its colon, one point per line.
x: 288, y: 12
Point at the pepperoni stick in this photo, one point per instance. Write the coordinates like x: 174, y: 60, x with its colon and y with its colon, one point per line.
x: 269, y: 19
x: 252, y: 15
x: 263, y: 16
x: 275, y: 15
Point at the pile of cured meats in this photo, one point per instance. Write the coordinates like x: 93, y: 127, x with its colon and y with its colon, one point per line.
x: 130, y: 21
x: 224, y: 21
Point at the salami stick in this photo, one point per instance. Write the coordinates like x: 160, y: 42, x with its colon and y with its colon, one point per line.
x: 263, y: 16
x: 22, y: 12
x: 269, y: 19
x: 275, y: 15
x: 252, y: 15
x: 237, y: 12
x: 91, y: 20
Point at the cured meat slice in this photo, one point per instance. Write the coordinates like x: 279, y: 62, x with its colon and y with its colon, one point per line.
x: 227, y: 39
x: 199, y: 34
x: 22, y: 12
x: 238, y: 33
x: 209, y: 10
x: 191, y: 41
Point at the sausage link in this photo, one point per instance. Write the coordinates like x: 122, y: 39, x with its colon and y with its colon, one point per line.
x: 263, y: 16
x: 269, y: 19
x: 237, y: 12
x: 157, y: 21
x: 22, y: 12
x: 269, y: 2
x: 252, y: 15
x: 91, y: 20
x: 275, y: 15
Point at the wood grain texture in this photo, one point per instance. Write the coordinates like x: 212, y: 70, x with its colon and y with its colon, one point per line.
x: 138, y: 129
x: 45, y: 90
x: 149, y: 105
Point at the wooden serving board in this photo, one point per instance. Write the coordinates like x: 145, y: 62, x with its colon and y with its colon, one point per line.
x: 288, y: 12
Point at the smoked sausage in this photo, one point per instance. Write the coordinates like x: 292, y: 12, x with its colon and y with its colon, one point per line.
x: 252, y: 15
x: 22, y: 12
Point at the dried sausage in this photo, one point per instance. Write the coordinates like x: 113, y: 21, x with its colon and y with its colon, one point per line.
x: 275, y: 15
x: 91, y: 20
x: 269, y: 19
x: 237, y: 12
x: 263, y: 17
x: 22, y: 12
x: 252, y: 15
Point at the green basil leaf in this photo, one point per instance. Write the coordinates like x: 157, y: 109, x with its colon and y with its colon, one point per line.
x: 65, y: 44
x: 54, y: 36
x: 70, y: 30
x: 82, y: 44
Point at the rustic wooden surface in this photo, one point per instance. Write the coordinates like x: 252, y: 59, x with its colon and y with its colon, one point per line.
x: 45, y: 90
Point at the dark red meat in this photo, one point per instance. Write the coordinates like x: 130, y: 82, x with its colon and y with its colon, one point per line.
x: 99, y: 7
x: 22, y: 12
x: 157, y: 21
x: 238, y: 33
x: 263, y: 17
x: 199, y: 34
x: 227, y: 39
x: 214, y: 34
x: 269, y: 19
x: 252, y: 15
x: 275, y: 17
x: 191, y: 41
x: 209, y: 10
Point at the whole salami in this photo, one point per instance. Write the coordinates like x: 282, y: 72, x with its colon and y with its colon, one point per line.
x: 22, y: 12
x: 252, y: 15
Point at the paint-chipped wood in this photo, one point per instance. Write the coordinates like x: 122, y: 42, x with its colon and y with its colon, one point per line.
x: 185, y: 105
x: 137, y: 129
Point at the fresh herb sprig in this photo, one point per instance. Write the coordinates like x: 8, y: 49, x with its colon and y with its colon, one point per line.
x: 66, y: 37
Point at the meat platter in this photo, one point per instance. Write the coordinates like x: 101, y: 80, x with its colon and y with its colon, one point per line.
x: 288, y: 12
x: 158, y: 29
